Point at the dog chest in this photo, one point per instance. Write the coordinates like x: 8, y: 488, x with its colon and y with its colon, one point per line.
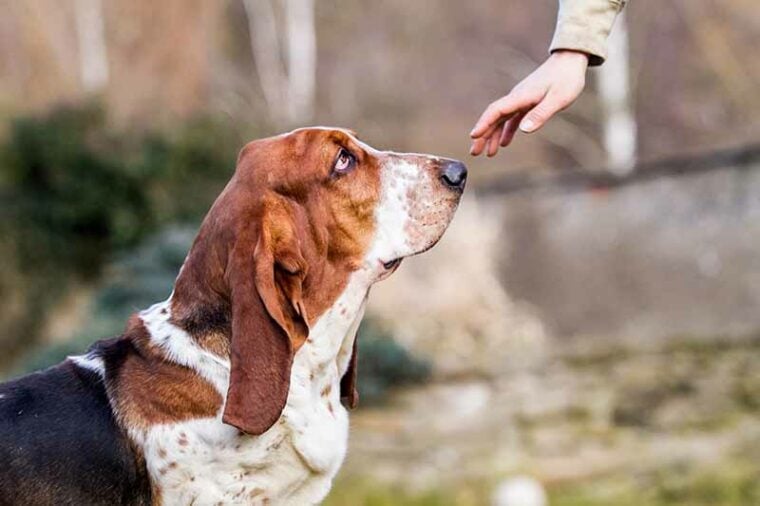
x: 207, y: 462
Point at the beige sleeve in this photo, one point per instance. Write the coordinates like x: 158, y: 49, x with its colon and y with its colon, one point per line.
x: 584, y: 25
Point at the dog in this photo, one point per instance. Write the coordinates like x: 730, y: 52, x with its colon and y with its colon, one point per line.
x: 235, y: 390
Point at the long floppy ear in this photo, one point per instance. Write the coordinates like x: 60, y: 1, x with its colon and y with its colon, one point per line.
x: 268, y: 323
x: 349, y: 395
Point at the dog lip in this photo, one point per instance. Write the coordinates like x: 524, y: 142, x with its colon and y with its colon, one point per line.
x: 388, y: 268
x: 391, y: 264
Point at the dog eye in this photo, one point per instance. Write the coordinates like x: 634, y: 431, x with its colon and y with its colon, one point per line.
x: 344, y: 163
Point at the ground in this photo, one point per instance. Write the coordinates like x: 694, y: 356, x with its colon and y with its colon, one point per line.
x: 676, y: 425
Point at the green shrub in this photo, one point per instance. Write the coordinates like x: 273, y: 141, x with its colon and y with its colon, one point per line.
x: 74, y: 193
x: 136, y: 280
x: 69, y: 199
x: 384, y: 364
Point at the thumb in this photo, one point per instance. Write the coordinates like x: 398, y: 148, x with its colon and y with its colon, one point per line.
x: 542, y: 112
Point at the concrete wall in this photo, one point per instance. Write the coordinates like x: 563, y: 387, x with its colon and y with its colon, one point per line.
x: 676, y: 256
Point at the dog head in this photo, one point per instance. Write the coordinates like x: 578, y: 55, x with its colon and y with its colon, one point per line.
x: 304, y: 211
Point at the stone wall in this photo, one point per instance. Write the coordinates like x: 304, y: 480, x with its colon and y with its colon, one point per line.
x: 668, y: 257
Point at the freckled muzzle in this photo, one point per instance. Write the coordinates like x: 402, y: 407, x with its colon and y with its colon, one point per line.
x: 422, y: 195
x: 436, y: 201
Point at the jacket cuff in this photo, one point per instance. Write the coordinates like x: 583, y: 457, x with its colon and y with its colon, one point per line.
x: 584, y: 25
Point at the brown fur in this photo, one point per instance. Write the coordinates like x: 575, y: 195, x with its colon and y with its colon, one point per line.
x: 272, y: 255
x: 146, y: 389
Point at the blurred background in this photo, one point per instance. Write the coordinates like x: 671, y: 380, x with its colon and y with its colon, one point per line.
x: 589, y: 325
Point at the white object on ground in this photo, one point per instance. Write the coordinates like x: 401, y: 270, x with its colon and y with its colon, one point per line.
x: 520, y: 491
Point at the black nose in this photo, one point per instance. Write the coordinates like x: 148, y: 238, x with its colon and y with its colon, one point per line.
x: 453, y: 174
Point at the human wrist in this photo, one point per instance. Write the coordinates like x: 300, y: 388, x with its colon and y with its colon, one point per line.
x: 571, y: 55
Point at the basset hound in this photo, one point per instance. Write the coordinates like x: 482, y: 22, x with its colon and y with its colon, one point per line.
x: 232, y: 391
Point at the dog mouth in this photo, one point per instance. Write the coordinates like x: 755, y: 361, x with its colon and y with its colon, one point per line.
x: 392, y: 265
x: 389, y: 268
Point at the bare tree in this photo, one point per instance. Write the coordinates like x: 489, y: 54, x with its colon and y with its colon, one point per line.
x: 615, y: 93
x: 93, y: 55
x: 287, y: 78
x: 302, y: 58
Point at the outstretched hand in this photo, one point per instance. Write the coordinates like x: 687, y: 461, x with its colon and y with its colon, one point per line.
x: 551, y: 88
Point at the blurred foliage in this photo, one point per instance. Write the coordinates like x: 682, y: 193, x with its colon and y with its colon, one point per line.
x: 188, y: 169
x: 735, y: 482
x: 135, y: 281
x: 365, y: 493
x: 732, y: 482
x: 69, y: 197
x: 145, y: 275
x: 78, y: 190
x: 383, y: 364
x: 75, y: 192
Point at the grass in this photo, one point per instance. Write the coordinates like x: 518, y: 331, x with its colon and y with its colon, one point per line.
x: 364, y: 492
x: 733, y: 482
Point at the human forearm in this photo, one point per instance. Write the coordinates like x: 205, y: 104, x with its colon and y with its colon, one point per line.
x: 584, y: 25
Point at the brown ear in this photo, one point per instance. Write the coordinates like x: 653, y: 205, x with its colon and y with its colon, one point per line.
x: 268, y: 323
x: 349, y: 395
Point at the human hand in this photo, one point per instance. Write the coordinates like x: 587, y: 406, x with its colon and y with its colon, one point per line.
x: 552, y: 87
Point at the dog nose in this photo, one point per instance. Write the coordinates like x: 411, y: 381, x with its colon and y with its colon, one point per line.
x: 454, y: 174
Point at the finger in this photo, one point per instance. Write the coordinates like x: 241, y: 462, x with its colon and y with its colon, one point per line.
x: 552, y: 103
x: 493, y: 143
x: 487, y: 134
x: 509, y: 130
x: 480, y: 143
x: 497, y: 111
x: 492, y: 137
x: 477, y: 146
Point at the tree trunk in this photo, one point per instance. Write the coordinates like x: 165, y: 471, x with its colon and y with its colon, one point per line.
x: 289, y: 94
x: 302, y: 59
x: 93, y: 55
x: 615, y: 93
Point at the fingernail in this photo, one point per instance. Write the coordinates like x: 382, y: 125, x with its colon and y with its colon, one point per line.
x: 527, y: 125
x: 472, y: 133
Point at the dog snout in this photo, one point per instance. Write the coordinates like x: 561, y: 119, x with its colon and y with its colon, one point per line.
x: 453, y: 174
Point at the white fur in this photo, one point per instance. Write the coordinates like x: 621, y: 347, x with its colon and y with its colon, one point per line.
x: 91, y: 362
x: 292, y: 463
x: 206, y: 462
x: 182, y: 349
x: 393, y: 211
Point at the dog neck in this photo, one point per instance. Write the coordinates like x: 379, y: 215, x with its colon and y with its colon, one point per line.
x: 309, y: 440
x: 196, y: 335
